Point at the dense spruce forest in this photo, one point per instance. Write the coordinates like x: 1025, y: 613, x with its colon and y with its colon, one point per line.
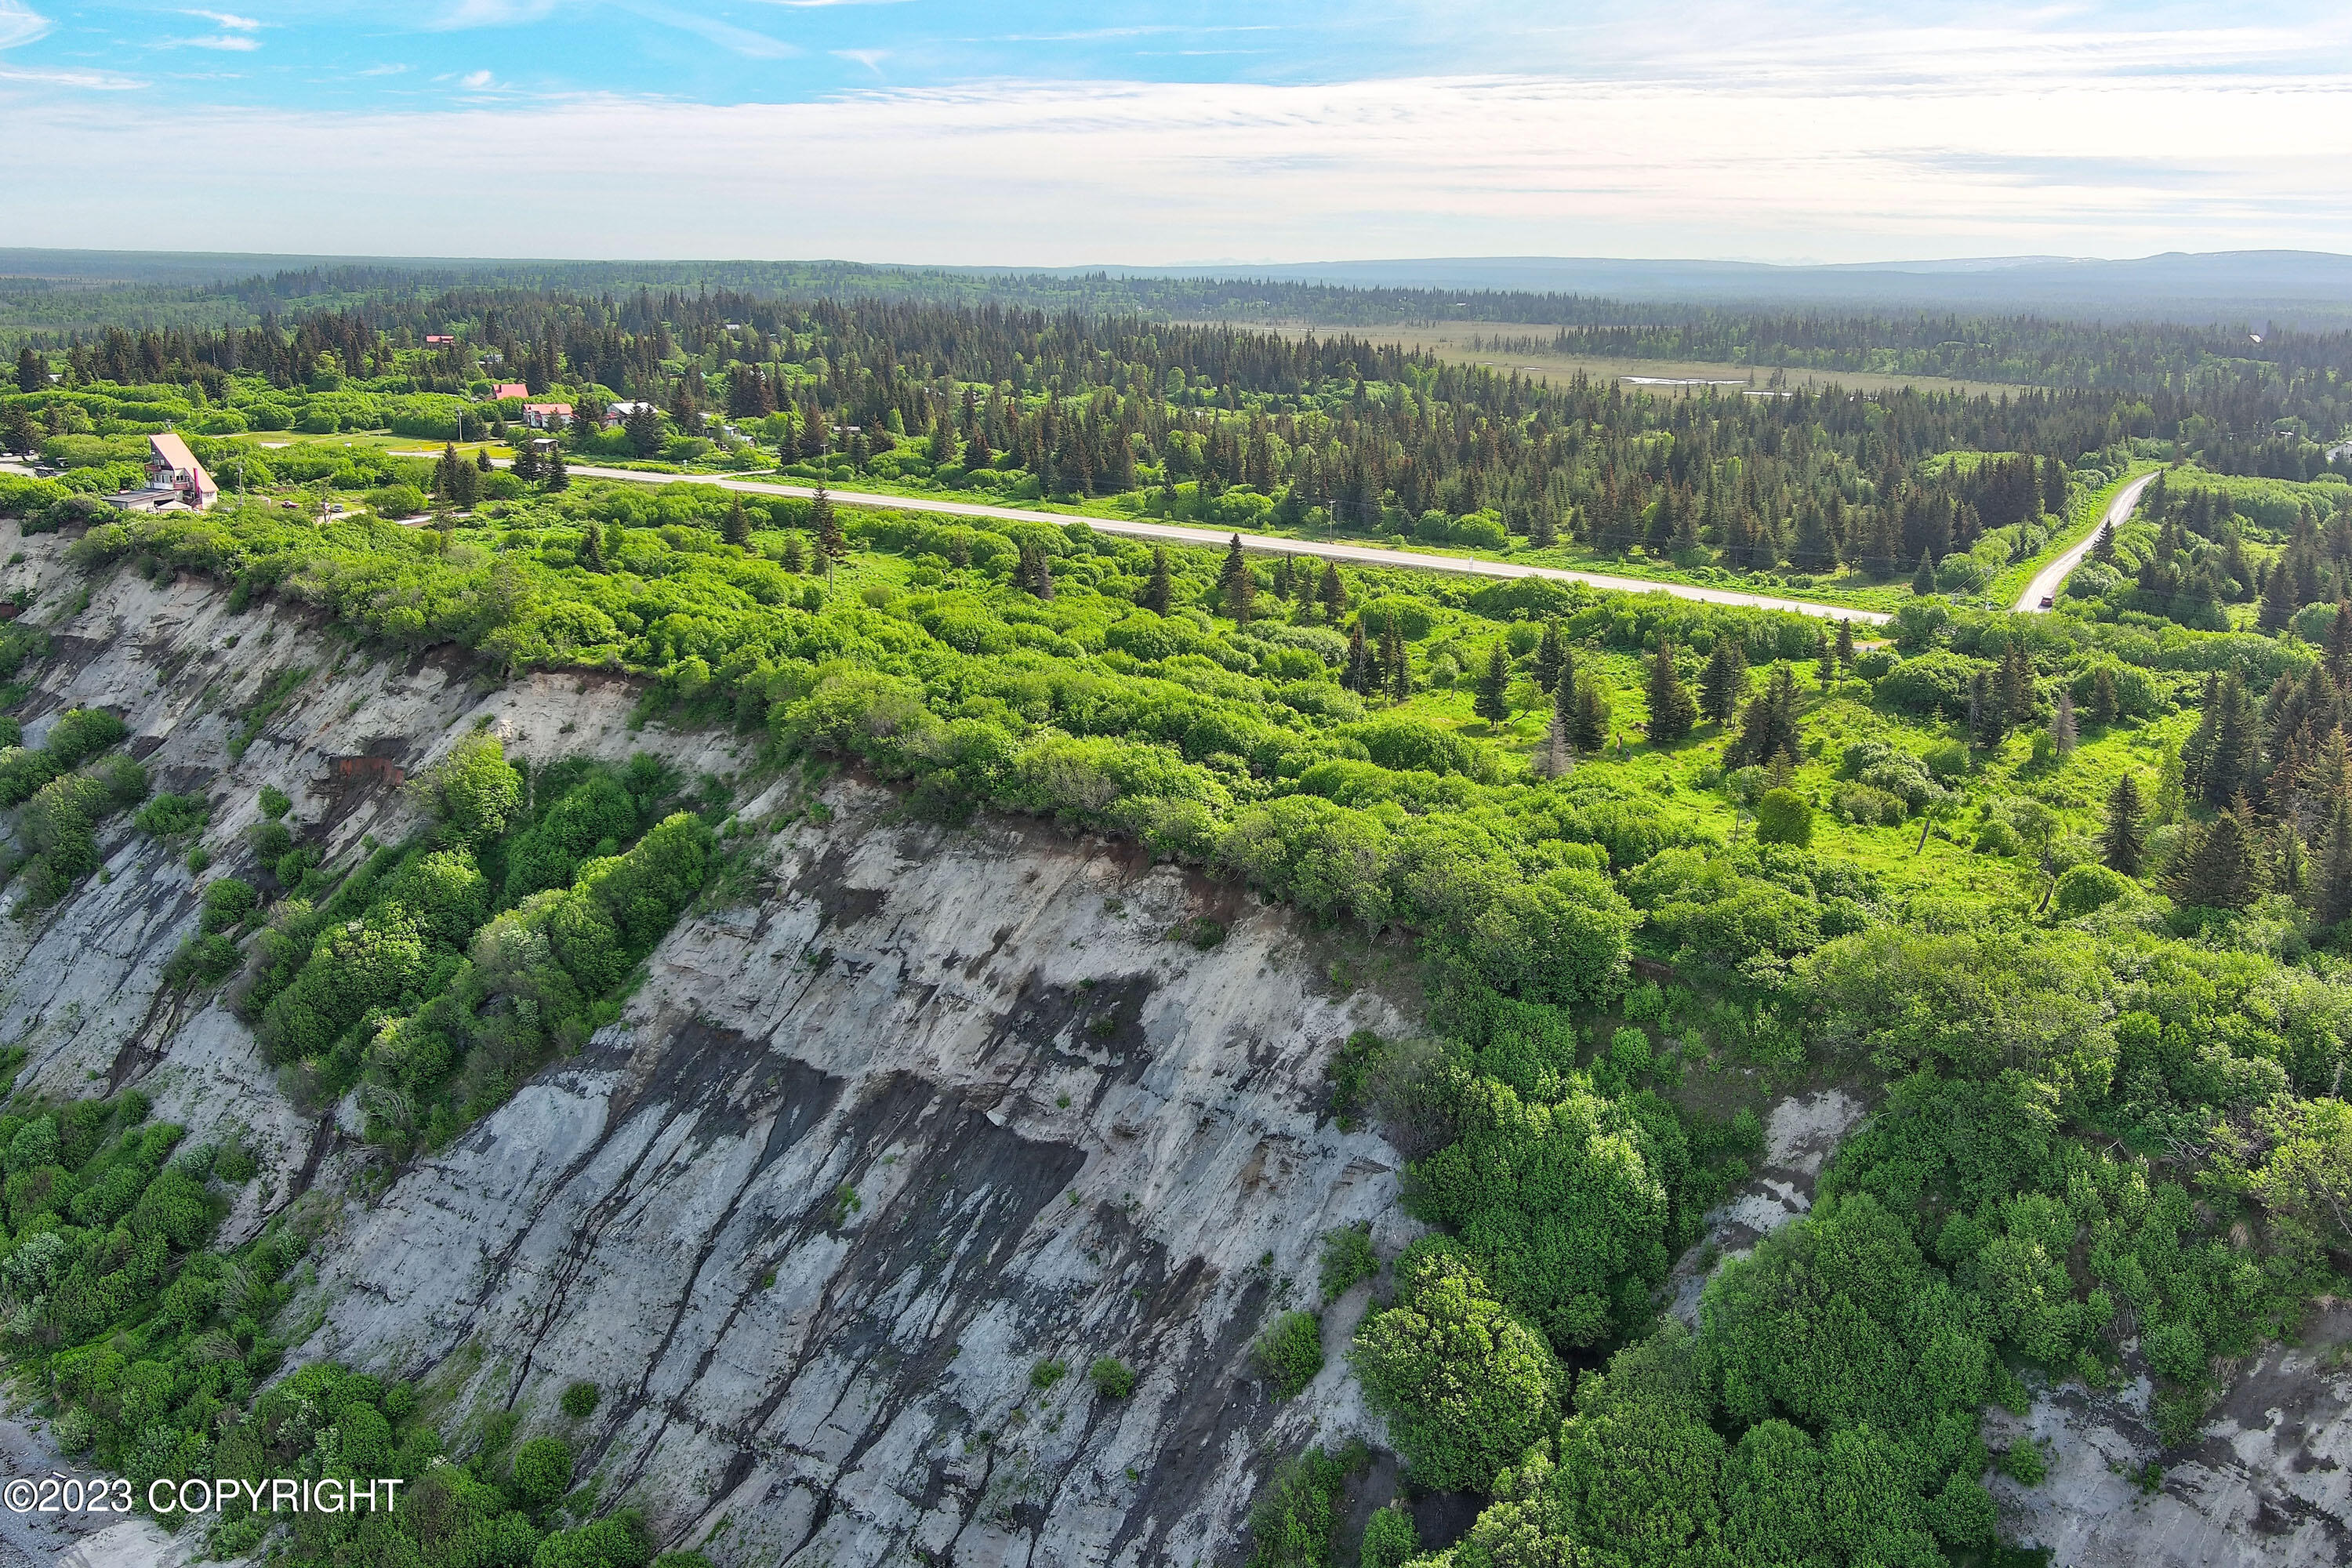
x: 2064, y: 898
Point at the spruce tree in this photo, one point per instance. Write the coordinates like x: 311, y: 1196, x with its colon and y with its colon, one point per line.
x: 2125, y: 838
x: 1724, y: 686
x: 2340, y: 643
x: 1357, y: 673
x: 1394, y: 663
x: 591, y: 553
x: 1235, y: 585
x: 1043, y: 582
x: 2061, y: 724
x: 1493, y: 703
x: 2102, y: 549
x: 526, y: 463
x: 829, y: 541
x: 2290, y: 867
x: 1589, y: 726
x: 2218, y: 868
x: 559, y: 477
x: 1768, y: 726
x: 1845, y: 645
x: 481, y: 459
x: 1161, y: 591
x: 737, y: 527
x: 1333, y: 594
x: 2333, y: 900
x: 1550, y: 653
x: 2106, y: 704
x: 1923, y: 580
x: 796, y: 555
x: 1672, y: 711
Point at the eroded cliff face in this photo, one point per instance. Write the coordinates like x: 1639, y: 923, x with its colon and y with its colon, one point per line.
x: 917, y: 1110
x: 924, y: 1109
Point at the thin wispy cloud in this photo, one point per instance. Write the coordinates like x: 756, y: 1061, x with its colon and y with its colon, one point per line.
x: 870, y: 58
x: 235, y: 24
x: 19, y: 25
x: 493, y: 13
x: 736, y: 40
x: 234, y: 43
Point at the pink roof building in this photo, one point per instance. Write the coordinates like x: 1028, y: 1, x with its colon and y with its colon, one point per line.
x: 547, y: 415
x: 506, y: 389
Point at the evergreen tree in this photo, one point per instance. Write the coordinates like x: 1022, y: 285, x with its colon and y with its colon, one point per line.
x: 1395, y: 664
x: 1551, y: 654
x: 1672, y: 711
x: 2340, y: 643
x: 1768, y: 726
x: 1987, y: 726
x: 1589, y: 726
x: 1825, y: 664
x: 444, y: 472
x: 796, y: 555
x: 2061, y: 724
x: 1845, y: 645
x: 2102, y: 549
x: 1493, y: 703
x: 2333, y: 900
x: 2217, y: 869
x: 464, y: 483
x: 1235, y: 584
x: 1923, y: 580
x: 1041, y: 581
x: 32, y: 372
x: 481, y: 459
x: 1724, y: 686
x: 2124, y: 839
x: 526, y: 463
x: 829, y: 541
x: 1357, y: 676
x: 1161, y: 591
x: 1543, y: 527
x: 943, y: 440
x: 2020, y: 702
x: 2290, y: 868
x: 16, y: 422
x: 1333, y: 594
x: 591, y: 553
x: 559, y: 477
x: 1559, y: 752
x: 2106, y: 704
x: 737, y: 527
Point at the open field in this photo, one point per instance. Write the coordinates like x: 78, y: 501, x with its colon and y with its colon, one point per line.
x: 1455, y: 340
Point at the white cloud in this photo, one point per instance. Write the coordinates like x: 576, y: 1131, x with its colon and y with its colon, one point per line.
x: 382, y: 70
x: 235, y: 24
x: 1929, y: 145
x: 477, y: 79
x: 234, y: 42
x: 493, y: 13
x: 19, y: 25
x: 726, y: 35
x: 870, y: 58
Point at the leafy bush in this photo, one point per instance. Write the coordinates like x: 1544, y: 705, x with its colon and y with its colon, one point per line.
x: 1465, y: 1385
x: 1346, y: 1258
x: 1784, y: 817
x: 1112, y: 1378
x: 1290, y: 1352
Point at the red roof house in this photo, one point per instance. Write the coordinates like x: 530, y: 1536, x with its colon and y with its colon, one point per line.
x: 547, y: 415
x: 506, y: 389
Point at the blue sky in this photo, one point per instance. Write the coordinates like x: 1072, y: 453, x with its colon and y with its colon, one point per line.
x: 941, y: 131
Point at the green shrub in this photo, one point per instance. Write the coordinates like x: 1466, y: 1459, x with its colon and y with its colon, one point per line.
x: 1784, y: 817
x: 1294, y: 1524
x: 1465, y: 1385
x: 1290, y: 1352
x: 542, y: 1472
x: 1046, y: 1374
x: 580, y: 1400
x: 171, y: 815
x: 1389, y: 1538
x: 2086, y: 887
x: 1112, y: 1378
x: 1346, y: 1258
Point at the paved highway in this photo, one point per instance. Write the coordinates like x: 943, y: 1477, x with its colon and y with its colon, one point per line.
x: 2052, y: 577
x: 1212, y: 538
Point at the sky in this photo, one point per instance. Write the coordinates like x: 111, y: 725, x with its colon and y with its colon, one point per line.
x: 1061, y: 134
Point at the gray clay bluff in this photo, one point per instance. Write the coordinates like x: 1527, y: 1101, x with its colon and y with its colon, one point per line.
x: 1066, y: 1137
